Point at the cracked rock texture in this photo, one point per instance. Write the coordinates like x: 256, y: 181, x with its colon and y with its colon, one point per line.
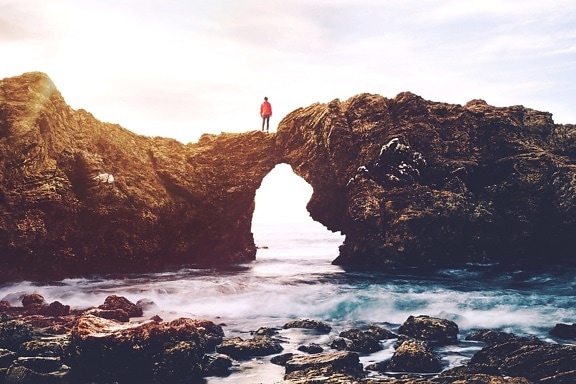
x: 409, y: 182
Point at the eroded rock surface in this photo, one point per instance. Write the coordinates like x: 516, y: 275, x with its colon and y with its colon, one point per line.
x: 409, y: 182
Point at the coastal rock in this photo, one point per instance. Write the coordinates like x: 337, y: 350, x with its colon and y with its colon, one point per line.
x: 409, y: 182
x: 155, y: 352
x: 529, y: 358
x: 314, y: 325
x: 414, y: 356
x: 114, y: 302
x: 332, y: 367
x: 431, y: 329
x: 240, y: 349
x: 169, y: 204
x: 564, y: 331
x: 357, y: 341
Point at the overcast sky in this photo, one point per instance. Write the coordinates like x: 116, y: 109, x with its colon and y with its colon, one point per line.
x: 179, y: 68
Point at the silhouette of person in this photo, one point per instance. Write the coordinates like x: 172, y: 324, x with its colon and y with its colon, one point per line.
x: 266, y: 112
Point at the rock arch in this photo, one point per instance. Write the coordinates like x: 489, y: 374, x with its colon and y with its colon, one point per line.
x: 409, y: 182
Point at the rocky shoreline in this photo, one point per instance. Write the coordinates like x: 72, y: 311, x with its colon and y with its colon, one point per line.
x: 410, y: 183
x: 114, y: 342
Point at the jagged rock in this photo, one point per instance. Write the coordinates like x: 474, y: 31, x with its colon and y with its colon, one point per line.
x: 152, y: 352
x: 19, y: 374
x: 564, y: 331
x: 311, y: 348
x: 380, y: 333
x: 216, y: 364
x: 32, y: 299
x: 329, y: 367
x: 281, y: 359
x: 13, y: 333
x: 414, y: 356
x: 409, y: 182
x: 114, y: 302
x: 315, y: 325
x: 430, y: 329
x: 169, y: 203
x: 240, y: 349
x: 110, y: 314
x: 529, y: 358
x: 6, y: 358
x: 357, y: 341
x: 489, y: 336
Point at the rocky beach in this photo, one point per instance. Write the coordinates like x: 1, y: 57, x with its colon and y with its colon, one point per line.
x: 450, y: 215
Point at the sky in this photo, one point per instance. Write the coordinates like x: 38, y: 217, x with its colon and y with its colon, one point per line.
x: 181, y: 68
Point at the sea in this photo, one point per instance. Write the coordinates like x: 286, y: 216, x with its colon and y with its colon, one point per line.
x: 293, y: 278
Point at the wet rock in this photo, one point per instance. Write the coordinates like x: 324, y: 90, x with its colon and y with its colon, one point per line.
x: 414, y: 356
x: 55, y: 308
x: 6, y: 358
x: 564, y: 331
x: 430, y: 329
x: 44, y: 347
x: 380, y: 333
x: 357, y: 341
x: 151, y: 352
x: 216, y: 364
x: 342, y: 365
x: 240, y: 349
x: 265, y: 331
x: 111, y: 314
x: 529, y: 358
x: 33, y: 299
x: 281, y: 359
x: 491, y: 337
x: 311, y: 348
x: 13, y: 333
x: 114, y: 302
x: 315, y: 325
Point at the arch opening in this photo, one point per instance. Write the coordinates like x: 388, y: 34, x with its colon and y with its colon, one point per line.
x: 281, y: 225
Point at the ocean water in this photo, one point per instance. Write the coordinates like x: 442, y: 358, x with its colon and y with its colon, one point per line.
x: 293, y: 278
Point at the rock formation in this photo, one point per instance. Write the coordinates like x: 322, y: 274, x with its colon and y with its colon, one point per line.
x: 415, y: 183
x: 166, y: 203
x: 410, y: 182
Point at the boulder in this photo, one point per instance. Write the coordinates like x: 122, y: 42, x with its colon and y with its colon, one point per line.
x: 343, y: 365
x: 564, y: 331
x: 152, y: 352
x: 311, y: 348
x: 414, y: 356
x: 314, y: 325
x: 431, y: 329
x: 240, y: 349
x: 32, y: 299
x: 114, y: 302
x: 357, y: 341
x: 529, y: 358
x: 13, y: 333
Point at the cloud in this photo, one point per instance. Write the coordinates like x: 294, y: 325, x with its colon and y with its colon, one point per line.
x: 184, y: 68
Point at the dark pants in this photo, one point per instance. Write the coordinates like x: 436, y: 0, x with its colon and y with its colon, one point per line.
x: 266, y: 119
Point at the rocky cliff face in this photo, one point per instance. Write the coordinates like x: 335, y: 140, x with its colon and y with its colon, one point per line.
x: 414, y: 183
x: 164, y: 203
x: 408, y: 181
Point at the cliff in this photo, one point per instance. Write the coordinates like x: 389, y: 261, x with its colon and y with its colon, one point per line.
x: 415, y: 183
x: 166, y: 203
x: 408, y: 181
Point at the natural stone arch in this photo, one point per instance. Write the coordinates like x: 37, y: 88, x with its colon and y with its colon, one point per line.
x: 409, y: 182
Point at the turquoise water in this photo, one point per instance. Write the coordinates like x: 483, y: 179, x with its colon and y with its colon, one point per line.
x: 293, y: 278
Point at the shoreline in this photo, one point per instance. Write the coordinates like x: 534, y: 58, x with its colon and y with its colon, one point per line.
x: 40, y: 335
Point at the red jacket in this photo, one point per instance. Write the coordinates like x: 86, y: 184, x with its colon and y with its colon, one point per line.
x: 266, y: 109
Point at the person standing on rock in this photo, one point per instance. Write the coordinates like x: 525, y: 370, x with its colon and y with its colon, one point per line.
x: 266, y: 112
